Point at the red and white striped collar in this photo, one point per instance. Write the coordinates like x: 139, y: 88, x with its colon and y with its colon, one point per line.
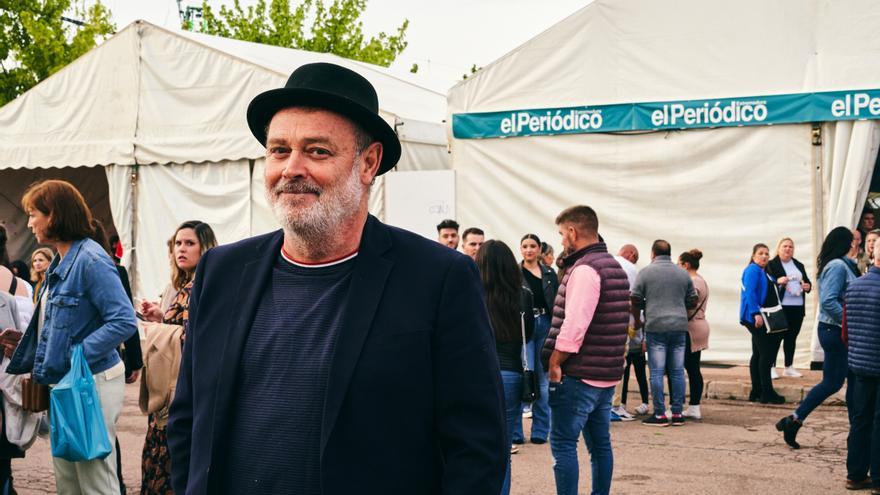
x: 325, y: 264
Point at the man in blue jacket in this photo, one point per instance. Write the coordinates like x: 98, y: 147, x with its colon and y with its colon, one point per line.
x: 338, y: 355
x: 863, y: 329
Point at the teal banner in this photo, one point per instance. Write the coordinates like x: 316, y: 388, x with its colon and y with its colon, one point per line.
x: 690, y: 114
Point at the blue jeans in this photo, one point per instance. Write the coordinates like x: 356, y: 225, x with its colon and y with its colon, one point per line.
x: 578, y: 408
x: 512, y: 382
x: 540, y: 408
x: 863, y: 443
x: 834, y: 370
x: 666, y: 353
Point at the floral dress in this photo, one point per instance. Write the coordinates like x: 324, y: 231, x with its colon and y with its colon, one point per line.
x: 156, y: 461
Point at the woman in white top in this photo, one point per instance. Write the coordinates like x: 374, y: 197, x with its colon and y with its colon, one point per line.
x: 792, y: 283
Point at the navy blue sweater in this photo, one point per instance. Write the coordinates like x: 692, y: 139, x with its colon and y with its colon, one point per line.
x: 863, y: 323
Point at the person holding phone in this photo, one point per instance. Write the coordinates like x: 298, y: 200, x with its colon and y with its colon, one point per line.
x: 792, y: 283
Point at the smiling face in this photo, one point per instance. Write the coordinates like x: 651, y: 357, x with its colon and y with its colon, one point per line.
x: 529, y: 250
x: 187, y: 250
x: 38, y: 222
x: 761, y: 257
x: 315, y: 176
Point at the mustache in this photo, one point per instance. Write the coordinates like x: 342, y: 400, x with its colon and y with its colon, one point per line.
x: 296, y: 187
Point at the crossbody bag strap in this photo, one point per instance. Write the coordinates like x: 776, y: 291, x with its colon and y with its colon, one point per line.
x: 14, y: 286
x: 522, y: 326
x: 697, y: 310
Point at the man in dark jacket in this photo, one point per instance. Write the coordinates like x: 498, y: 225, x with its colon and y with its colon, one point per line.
x: 339, y: 355
x: 863, y: 330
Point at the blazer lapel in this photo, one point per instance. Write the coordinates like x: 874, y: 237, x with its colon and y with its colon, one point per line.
x: 255, y: 276
x: 367, y: 283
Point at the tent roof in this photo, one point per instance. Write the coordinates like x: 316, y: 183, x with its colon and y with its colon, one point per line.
x: 624, y: 51
x: 151, y: 95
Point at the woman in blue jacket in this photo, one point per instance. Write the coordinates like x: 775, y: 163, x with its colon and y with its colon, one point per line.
x: 755, y: 285
x: 81, y: 302
x: 836, y: 271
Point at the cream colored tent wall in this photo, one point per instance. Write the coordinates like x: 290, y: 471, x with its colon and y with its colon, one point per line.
x: 717, y: 190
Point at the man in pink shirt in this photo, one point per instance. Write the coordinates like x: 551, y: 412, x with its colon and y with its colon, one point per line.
x: 584, y: 351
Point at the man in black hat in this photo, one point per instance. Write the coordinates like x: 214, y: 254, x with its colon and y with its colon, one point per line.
x: 339, y: 355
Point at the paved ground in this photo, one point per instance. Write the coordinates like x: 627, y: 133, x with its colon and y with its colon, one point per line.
x: 734, y: 450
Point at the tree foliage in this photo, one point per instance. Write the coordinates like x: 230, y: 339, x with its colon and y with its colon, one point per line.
x: 307, y: 25
x: 35, y: 42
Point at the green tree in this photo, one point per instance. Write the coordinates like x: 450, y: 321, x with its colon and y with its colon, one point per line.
x: 35, y: 42
x: 307, y: 25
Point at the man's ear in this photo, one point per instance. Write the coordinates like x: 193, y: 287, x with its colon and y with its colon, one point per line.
x: 371, y: 158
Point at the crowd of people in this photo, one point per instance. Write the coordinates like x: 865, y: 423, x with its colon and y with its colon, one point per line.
x: 267, y: 369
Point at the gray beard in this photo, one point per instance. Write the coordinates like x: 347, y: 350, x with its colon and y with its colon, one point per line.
x: 315, y: 227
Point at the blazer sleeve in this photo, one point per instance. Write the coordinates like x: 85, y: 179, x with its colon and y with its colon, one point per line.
x: 469, y: 401
x: 180, y: 419
x: 752, y: 288
x: 800, y: 266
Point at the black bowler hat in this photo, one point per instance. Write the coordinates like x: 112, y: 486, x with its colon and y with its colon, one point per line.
x: 334, y: 88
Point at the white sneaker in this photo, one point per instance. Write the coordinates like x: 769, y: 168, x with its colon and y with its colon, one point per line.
x: 692, y: 412
x: 773, y: 374
x: 527, y: 414
x: 623, y: 414
x: 642, y: 409
x: 790, y: 371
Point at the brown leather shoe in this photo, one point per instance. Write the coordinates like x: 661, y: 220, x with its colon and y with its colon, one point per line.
x: 859, y: 485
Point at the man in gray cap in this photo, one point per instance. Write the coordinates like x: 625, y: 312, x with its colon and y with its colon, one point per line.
x: 338, y: 355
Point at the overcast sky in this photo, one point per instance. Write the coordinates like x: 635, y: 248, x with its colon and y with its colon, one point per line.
x: 445, y: 37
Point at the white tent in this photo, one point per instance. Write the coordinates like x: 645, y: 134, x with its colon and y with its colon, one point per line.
x: 151, y: 126
x: 719, y: 189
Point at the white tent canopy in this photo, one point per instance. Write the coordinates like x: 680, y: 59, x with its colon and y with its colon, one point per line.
x: 719, y: 190
x: 163, y: 113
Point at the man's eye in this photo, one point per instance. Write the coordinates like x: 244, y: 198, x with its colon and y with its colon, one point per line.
x: 318, y: 152
x: 279, y: 150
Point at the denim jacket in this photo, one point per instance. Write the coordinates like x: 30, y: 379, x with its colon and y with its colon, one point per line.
x: 85, y: 304
x: 833, y: 280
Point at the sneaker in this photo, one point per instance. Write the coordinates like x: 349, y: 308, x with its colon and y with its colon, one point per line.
x: 642, y: 409
x: 614, y: 417
x: 514, y: 449
x: 791, y: 372
x: 677, y: 420
x: 623, y: 414
x: 527, y: 414
x: 773, y: 374
x: 654, y: 420
x: 692, y: 412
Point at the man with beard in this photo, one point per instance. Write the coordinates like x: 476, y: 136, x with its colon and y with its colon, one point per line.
x: 339, y: 355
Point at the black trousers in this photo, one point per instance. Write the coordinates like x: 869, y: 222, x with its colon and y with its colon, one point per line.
x: 794, y: 315
x: 764, y: 348
x: 695, y: 376
x: 638, y: 362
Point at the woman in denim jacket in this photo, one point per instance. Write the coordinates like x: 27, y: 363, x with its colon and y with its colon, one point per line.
x: 836, y: 271
x: 81, y: 302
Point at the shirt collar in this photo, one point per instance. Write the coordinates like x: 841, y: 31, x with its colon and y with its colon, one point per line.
x: 61, y: 267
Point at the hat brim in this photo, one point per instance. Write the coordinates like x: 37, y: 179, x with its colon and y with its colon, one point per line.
x: 265, y: 105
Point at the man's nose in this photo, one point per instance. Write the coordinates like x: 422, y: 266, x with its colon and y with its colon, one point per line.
x: 294, y: 165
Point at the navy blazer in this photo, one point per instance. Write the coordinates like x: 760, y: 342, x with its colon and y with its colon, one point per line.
x: 414, y: 400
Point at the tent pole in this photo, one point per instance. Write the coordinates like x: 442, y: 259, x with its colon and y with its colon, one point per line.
x: 818, y: 231
x: 133, y: 266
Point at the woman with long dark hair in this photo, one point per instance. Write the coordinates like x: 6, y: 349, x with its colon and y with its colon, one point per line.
x: 510, y: 312
x: 791, y: 282
x: 185, y: 249
x: 836, y: 271
x: 698, y: 332
x: 754, y: 295
x: 542, y: 281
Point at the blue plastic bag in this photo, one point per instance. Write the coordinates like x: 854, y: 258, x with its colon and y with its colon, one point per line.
x: 76, y: 422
